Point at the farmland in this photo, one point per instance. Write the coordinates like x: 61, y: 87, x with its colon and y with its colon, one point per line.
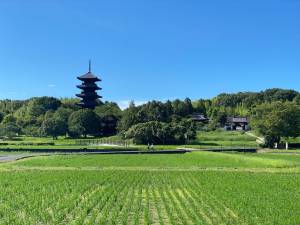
x: 210, y: 140
x: 193, y: 188
x: 194, y: 160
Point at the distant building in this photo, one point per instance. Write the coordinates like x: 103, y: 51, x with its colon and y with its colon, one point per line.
x: 89, y: 88
x: 237, y: 123
x: 198, y: 117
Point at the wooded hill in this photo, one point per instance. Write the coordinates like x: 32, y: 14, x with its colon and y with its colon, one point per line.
x: 155, y: 122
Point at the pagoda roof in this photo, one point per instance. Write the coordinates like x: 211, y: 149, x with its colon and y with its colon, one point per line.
x: 89, y: 86
x: 89, y: 95
x: 88, y: 76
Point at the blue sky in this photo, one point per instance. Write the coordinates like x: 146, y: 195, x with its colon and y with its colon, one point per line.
x: 144, y: 50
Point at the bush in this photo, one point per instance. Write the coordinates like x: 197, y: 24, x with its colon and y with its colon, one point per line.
x: 162, y: 133
x: 270, y: 141
x: 3, y: 143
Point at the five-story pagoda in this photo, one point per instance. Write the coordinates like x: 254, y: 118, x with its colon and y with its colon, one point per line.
x: 89, y: 88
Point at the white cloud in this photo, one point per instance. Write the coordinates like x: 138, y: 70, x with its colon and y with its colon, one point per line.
x: 125, y: 103
x: 51, y: 85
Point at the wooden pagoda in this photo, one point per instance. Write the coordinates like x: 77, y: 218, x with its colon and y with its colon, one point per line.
x: 89, y: 97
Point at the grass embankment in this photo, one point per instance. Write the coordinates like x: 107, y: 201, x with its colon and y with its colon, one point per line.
x: 41, y: 143
x: 190, y: 160
x: 152, y: 189
x: 281, y: 151
x: 216, y: 140
x: 226, y: 139
x: 204, y: 140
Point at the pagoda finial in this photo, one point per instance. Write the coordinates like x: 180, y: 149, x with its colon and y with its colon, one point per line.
x: 90, y: 66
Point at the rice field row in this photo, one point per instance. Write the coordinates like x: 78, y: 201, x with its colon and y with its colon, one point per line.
x: 144, y: 197
x: 189, y: 160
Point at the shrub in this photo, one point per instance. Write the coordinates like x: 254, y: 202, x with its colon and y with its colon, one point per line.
x: 162, y: 133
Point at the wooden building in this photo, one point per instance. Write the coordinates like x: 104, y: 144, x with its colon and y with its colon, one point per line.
x: 237, y: 123
x: 198, y: 117
x: 89, y: 88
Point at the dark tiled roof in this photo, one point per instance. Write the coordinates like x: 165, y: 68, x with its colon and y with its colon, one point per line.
x: 88, y: 95
x: 237, y: 120
x: 199, y: 117
x: 89, y: 76
x: 89, y: 86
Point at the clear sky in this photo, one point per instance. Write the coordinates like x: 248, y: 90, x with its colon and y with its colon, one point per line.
x: 144, y: 50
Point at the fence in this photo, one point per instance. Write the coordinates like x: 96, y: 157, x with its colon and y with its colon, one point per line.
x: 104, y: 142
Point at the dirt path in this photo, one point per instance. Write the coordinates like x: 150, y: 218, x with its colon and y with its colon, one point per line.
x: 15, y: 157
x: 259, y: 140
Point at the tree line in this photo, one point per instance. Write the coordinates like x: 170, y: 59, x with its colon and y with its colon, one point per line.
x: 274, y: 113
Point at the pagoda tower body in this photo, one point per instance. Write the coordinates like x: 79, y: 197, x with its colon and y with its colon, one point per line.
x: 89, y: 88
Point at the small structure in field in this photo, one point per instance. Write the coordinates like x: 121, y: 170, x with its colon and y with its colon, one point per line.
x: 89, y: 88
x: 198, y: 117
x: 237, y: 123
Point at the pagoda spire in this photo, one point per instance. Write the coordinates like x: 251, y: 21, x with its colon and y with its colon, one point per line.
x: 90, y: 66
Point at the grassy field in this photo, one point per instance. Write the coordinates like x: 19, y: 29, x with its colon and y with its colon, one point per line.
x: 225, y: 138
x: 60, y: 143
x: 192, y: 188
x: 214, y: 139
x: 193, y: 160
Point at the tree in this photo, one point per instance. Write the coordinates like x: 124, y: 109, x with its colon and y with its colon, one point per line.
x: 182, y: 108
x: 70, y: 103
x: 39, y: 106
x: 144, y: 133
x: 129, y: 118
x: 188, y: 106
x: 76, y: 130
x: 297, y: 99
x: 110, y: 114
x: 277, y: 120
x: 63, y: 113
x: 108, y: 109
x: 31, y: 130
x: 9, y: 118
x: 49, y: 114
x: 199, y: 106
x: 9, y: 130
x: 85, y: 122
x: 162, y: 133
x: 10, y: 106
x: 183, y: 131
x: 154, y: 111
x: 1, y: 116
x: 54, y: 127
x: 221, y: 117
x: 285, y: 95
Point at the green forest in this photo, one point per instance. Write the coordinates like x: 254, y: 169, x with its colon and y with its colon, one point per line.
x: 273, y: 114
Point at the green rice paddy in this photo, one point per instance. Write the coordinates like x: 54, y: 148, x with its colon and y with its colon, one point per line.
x: 192, y: 188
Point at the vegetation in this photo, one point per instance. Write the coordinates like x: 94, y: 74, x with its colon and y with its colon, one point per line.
x: 84, y: 122
x: 203, y: 140
x: 155, y: 122
x: 162, y: 133
x: 184, y: 161
x: 276, y: 120
x: 194, y: 188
